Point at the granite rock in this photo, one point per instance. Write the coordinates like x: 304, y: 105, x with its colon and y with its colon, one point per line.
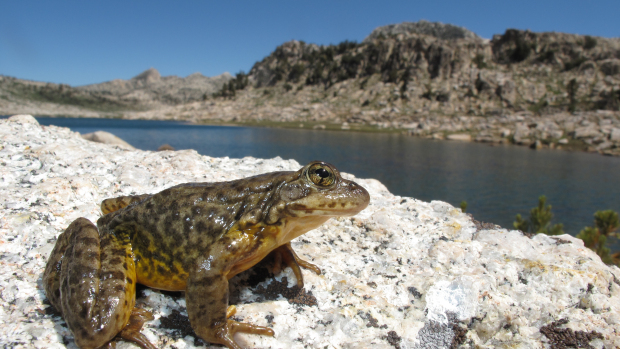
x: 402, y: 274
x: 107, y: 138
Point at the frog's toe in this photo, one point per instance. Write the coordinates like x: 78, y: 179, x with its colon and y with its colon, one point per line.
x: 286, y: 254
x: 235, y: 326
x: 307, y: 265
x: 138, y: 338
x: 131, y: 332
x: 226, y: 337
x: 244, y: 327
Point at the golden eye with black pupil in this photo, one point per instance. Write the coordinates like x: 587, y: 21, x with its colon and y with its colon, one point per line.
x: 321, y: 175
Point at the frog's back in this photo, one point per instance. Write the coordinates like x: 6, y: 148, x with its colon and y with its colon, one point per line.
x: 170, y: 230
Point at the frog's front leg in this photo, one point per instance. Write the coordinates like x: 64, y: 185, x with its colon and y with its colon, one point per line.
x: 91, y: 281
x: 207, y: 306
x: 286, y: 254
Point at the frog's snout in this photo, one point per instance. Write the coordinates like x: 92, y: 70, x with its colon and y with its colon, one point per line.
x: 358, y: 196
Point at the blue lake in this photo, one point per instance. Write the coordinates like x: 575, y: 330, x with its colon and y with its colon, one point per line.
x: 496, y: 181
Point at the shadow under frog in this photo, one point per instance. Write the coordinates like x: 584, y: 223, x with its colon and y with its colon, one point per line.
x: 192, y: 237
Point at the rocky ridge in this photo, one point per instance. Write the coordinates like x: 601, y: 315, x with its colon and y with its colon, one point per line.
x: 435, y: 29
x: 401, y: 274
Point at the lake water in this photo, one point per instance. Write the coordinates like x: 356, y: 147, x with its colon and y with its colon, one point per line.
x: 496, y: 181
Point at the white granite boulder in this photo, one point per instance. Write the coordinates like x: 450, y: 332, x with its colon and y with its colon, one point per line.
x: 402, y: 274
x: 107, y: 138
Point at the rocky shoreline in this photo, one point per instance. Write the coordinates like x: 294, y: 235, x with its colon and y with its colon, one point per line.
x: 593, y: 132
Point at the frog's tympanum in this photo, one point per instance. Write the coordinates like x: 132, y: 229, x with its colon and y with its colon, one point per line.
x: 192, y: 237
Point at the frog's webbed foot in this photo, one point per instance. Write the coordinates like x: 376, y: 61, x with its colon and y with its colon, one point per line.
x: 131, y: 332
x: 286, y: 254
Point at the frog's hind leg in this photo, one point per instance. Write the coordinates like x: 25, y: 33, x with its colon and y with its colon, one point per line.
x: 286, y: 254
x: 91, y: 280
x: 115, y: 204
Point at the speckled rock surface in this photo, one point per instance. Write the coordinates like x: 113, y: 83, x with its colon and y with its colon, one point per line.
x: 402, y: 274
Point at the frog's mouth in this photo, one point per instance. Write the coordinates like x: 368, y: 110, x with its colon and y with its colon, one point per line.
x: 301, y: 210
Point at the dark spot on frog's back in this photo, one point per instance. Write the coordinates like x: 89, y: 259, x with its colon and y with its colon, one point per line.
x: 188, y: 226
x: 104, y: 243
x: 119, y: 252
x: 88, y: 241
x: 162, y: 271
x: 84, y: 313
x: 332, y: 205
x: 201, y: 226
x: 168, y: 221
x: 157, y: 255
x: 116, y: 261
x: 240, y: 186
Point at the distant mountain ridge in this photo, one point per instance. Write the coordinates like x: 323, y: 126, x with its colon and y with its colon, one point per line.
x: 145, y: 91
x: 150, y: 85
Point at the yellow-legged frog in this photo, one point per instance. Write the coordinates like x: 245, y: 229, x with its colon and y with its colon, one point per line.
x: 191, y: 237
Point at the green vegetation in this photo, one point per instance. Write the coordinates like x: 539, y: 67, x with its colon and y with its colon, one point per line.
x: 574, y: 63
x: 239, y: 82
x: 521, y: 51
x: 547, y: 56
x: 572, y: 91
x: 405, y: 82
x: 589, y: 42
x: 538, y: 106
x: 463, y: 206
x: 307, y: 125
x: 540, y: 220
x: 479, y: 61
x: 327, y: 65
x: 296, y: 72
x: 596, y: 238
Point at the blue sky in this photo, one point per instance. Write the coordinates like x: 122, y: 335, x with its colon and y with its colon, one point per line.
x: 84, y: 42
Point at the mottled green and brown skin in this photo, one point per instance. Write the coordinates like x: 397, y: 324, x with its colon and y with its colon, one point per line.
x: 192, y: 237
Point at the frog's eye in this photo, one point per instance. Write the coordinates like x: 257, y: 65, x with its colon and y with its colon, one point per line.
x: 321, y: 175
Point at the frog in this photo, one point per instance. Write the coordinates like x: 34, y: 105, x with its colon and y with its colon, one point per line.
x: 191, y: 237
